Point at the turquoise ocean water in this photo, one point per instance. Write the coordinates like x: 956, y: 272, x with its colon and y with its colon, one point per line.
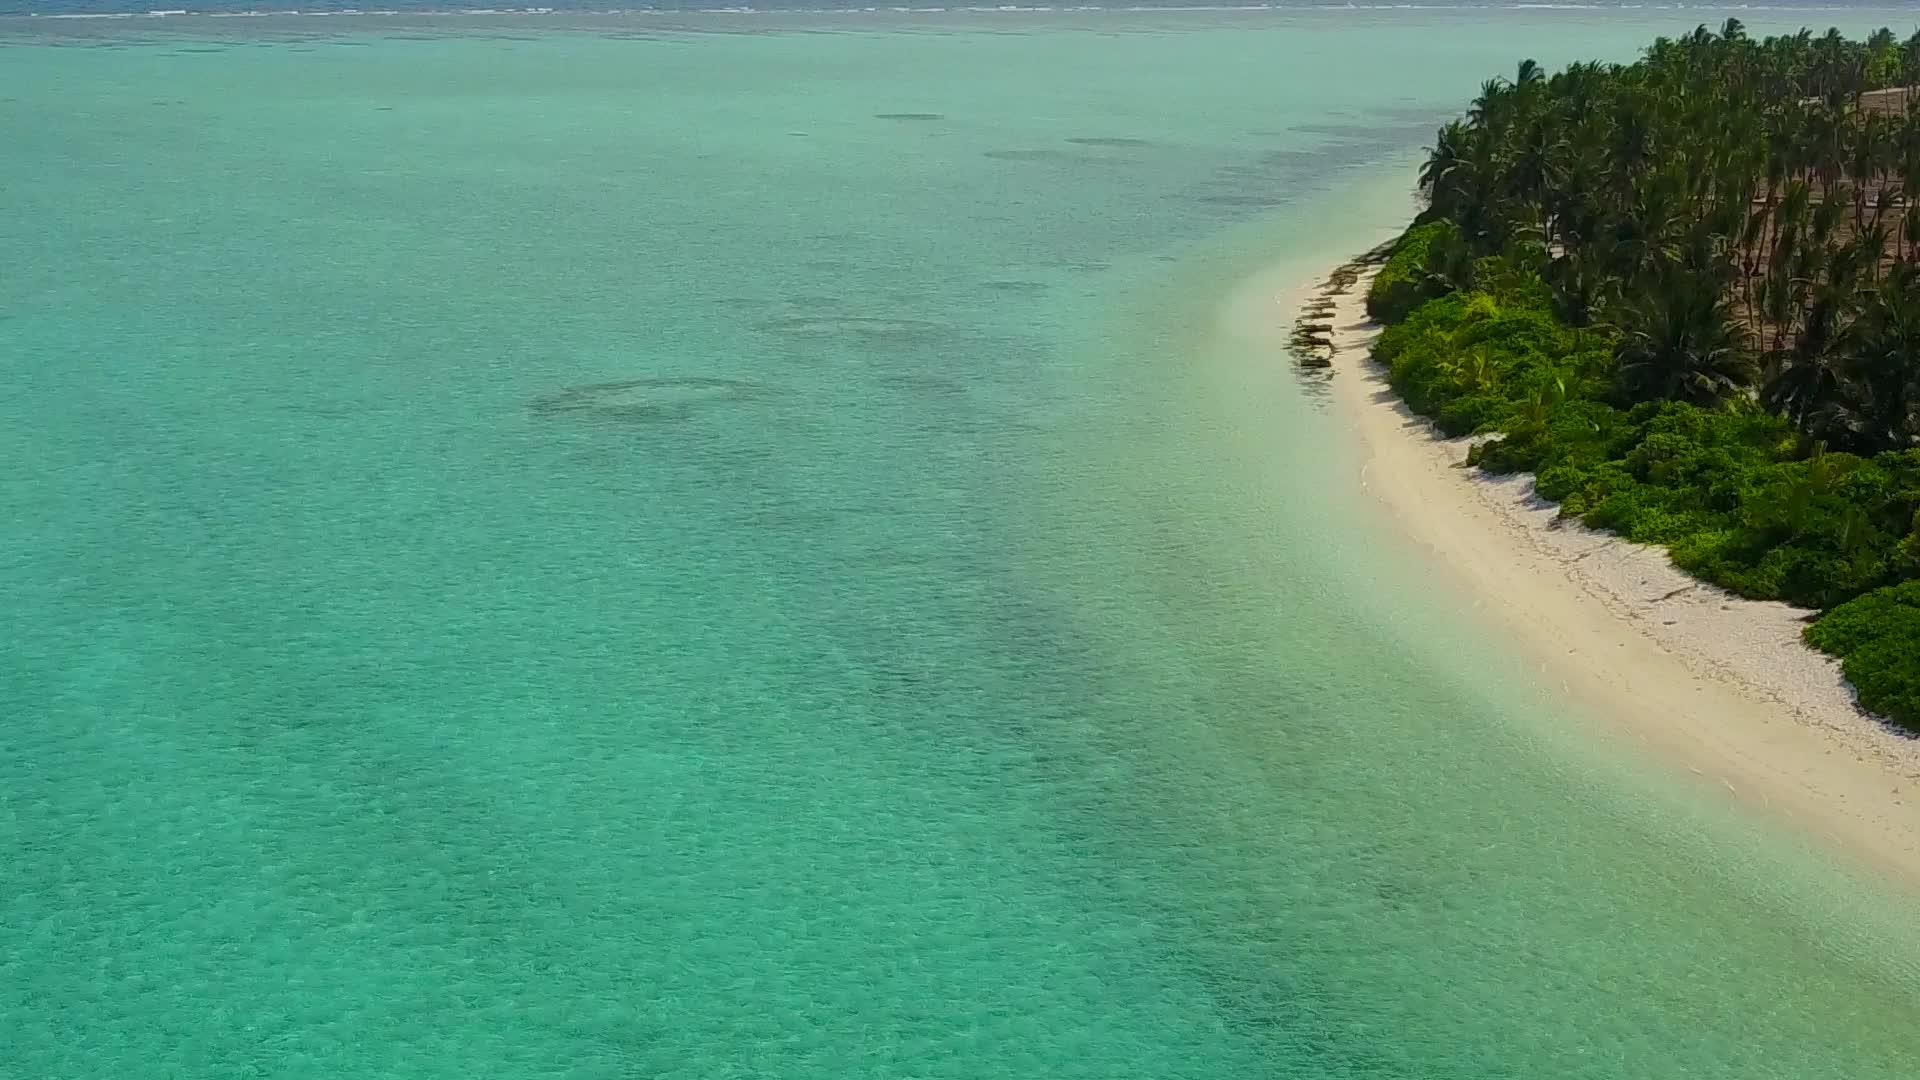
x: 736, y: 546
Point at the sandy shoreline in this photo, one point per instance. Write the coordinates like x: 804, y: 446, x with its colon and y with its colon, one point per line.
x: 1721, y: 683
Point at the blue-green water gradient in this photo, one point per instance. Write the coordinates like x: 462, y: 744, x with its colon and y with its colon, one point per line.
x: 739, y: 550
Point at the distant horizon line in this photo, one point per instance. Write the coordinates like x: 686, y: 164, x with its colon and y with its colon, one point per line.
x: 982, y: 9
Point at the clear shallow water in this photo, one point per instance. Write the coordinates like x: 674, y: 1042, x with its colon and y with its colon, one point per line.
x: 748, y: 555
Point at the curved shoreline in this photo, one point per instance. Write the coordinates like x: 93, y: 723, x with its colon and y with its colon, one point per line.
x: 1722, y: 685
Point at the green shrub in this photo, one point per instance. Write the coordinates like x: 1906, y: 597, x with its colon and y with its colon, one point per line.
x: 1401, y: 285
x: 1734, y: 494
x: 1710, y: 553
x: 1561, y: 483
x: 1466, y: 415
x: 1877, y: 637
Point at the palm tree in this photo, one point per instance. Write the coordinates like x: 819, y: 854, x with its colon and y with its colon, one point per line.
x: 1532, y: 162
x: 1632, y: 144
x: 1909, y: 69
x: 1682, y: 344
x: 1489, y: 108
x: 1867, y: 149
x: 1577, y: 286
x: 1884, y: 363
x: 1446, y: 176
x: 1881, y: 64
x: 1803, y: 383
x: 1449, y: 265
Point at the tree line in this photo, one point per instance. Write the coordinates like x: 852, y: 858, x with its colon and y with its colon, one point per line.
x: 1686, y: 293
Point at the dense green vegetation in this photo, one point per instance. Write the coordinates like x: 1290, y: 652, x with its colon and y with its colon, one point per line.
x: 1879, y: 635
x: 1402, y: 283
x: 1685, y: 293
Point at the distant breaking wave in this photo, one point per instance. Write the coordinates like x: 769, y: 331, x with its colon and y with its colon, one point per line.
x: 83, y: 9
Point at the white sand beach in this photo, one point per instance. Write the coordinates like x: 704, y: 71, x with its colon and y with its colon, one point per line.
x: 1722, y: 684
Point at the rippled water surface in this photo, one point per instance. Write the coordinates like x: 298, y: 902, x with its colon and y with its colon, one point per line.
x: 620, y: 549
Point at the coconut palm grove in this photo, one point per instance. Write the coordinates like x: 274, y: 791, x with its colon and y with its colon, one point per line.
x: 1685, y: 292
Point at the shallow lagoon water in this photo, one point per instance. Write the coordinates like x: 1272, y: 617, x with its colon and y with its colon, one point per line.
x: 747, y: 554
